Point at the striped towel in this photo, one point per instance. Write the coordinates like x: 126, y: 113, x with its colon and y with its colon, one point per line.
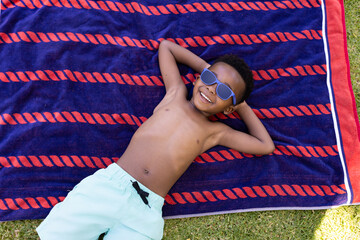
x: 78, y: 77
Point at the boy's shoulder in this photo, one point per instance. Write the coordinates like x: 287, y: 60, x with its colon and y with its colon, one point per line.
x: 172, y: 96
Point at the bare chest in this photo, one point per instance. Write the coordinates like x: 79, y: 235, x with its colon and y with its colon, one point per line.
x: 177, y: 132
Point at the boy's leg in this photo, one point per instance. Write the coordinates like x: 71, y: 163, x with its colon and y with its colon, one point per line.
x: 121, y: 231
x: 100, y: 202
x: 86, y: 213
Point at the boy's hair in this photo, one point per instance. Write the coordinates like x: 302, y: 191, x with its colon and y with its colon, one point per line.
x: 244, y: 71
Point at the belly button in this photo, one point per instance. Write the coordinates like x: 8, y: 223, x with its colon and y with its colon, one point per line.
x: 146, y: 171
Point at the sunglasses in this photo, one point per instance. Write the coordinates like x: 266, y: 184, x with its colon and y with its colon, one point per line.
x: 222, y: 90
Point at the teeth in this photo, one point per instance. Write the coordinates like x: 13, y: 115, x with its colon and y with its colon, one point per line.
x: 206, y: 97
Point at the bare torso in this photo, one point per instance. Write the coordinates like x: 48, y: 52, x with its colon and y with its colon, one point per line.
x: 177, y: 132
x: 166, y: 144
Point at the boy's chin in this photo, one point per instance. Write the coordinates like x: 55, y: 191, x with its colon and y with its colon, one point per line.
x: 203, y: 109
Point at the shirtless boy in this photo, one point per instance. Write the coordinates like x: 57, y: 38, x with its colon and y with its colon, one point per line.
x: 125, y: 199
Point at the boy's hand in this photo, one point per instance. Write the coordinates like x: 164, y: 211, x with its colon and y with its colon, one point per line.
x: 171, y: 53
x: 241, y: 106
x: 258, y: 141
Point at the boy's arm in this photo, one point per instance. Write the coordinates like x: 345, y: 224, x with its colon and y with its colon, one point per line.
x: 171, y: 53
x: 258, y: 141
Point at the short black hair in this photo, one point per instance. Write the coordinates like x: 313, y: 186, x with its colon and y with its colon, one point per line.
x: 243, y: 69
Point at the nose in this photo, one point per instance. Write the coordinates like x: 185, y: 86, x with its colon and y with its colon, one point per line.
x: 212, y: 88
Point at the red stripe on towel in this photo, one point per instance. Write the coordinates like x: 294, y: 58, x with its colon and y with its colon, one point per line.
x: 241, y: 39
x: 135, y: 7
x: 252, y: 192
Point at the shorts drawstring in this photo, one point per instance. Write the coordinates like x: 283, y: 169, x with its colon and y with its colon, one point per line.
x: 141, y: 192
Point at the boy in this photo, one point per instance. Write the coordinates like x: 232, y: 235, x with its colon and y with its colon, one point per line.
x: 125, y: 199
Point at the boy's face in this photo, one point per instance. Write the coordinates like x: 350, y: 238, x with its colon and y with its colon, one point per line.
x: 205, y: 98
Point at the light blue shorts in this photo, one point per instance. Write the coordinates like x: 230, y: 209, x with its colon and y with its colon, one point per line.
x: 105, y: 202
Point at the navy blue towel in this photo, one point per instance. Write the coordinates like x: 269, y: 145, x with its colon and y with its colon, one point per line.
x: 78, y: 77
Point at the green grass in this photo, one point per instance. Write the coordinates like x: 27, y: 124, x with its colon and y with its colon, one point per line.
x: 338, y: 223
x: 352, y: 18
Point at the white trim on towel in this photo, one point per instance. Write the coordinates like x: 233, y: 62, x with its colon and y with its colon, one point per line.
x: 255, y: 210
x: 333, y: 112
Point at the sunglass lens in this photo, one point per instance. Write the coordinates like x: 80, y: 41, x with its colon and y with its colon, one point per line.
x: 208, y: 77
x: 223, y: 91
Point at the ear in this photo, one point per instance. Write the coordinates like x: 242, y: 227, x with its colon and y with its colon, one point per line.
x: 229, y: 110
x: 196, y: 79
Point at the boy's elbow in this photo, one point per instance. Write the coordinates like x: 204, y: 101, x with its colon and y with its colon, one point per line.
x: 265, y: 148
x: 162, y: 44
x: 165, y: 44
x: 269, y: 148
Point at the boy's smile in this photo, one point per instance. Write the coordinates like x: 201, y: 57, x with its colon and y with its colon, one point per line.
x: 205, y: 97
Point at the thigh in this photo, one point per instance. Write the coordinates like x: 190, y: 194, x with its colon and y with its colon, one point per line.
x: 86, y: 212
x: 121, y: 231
